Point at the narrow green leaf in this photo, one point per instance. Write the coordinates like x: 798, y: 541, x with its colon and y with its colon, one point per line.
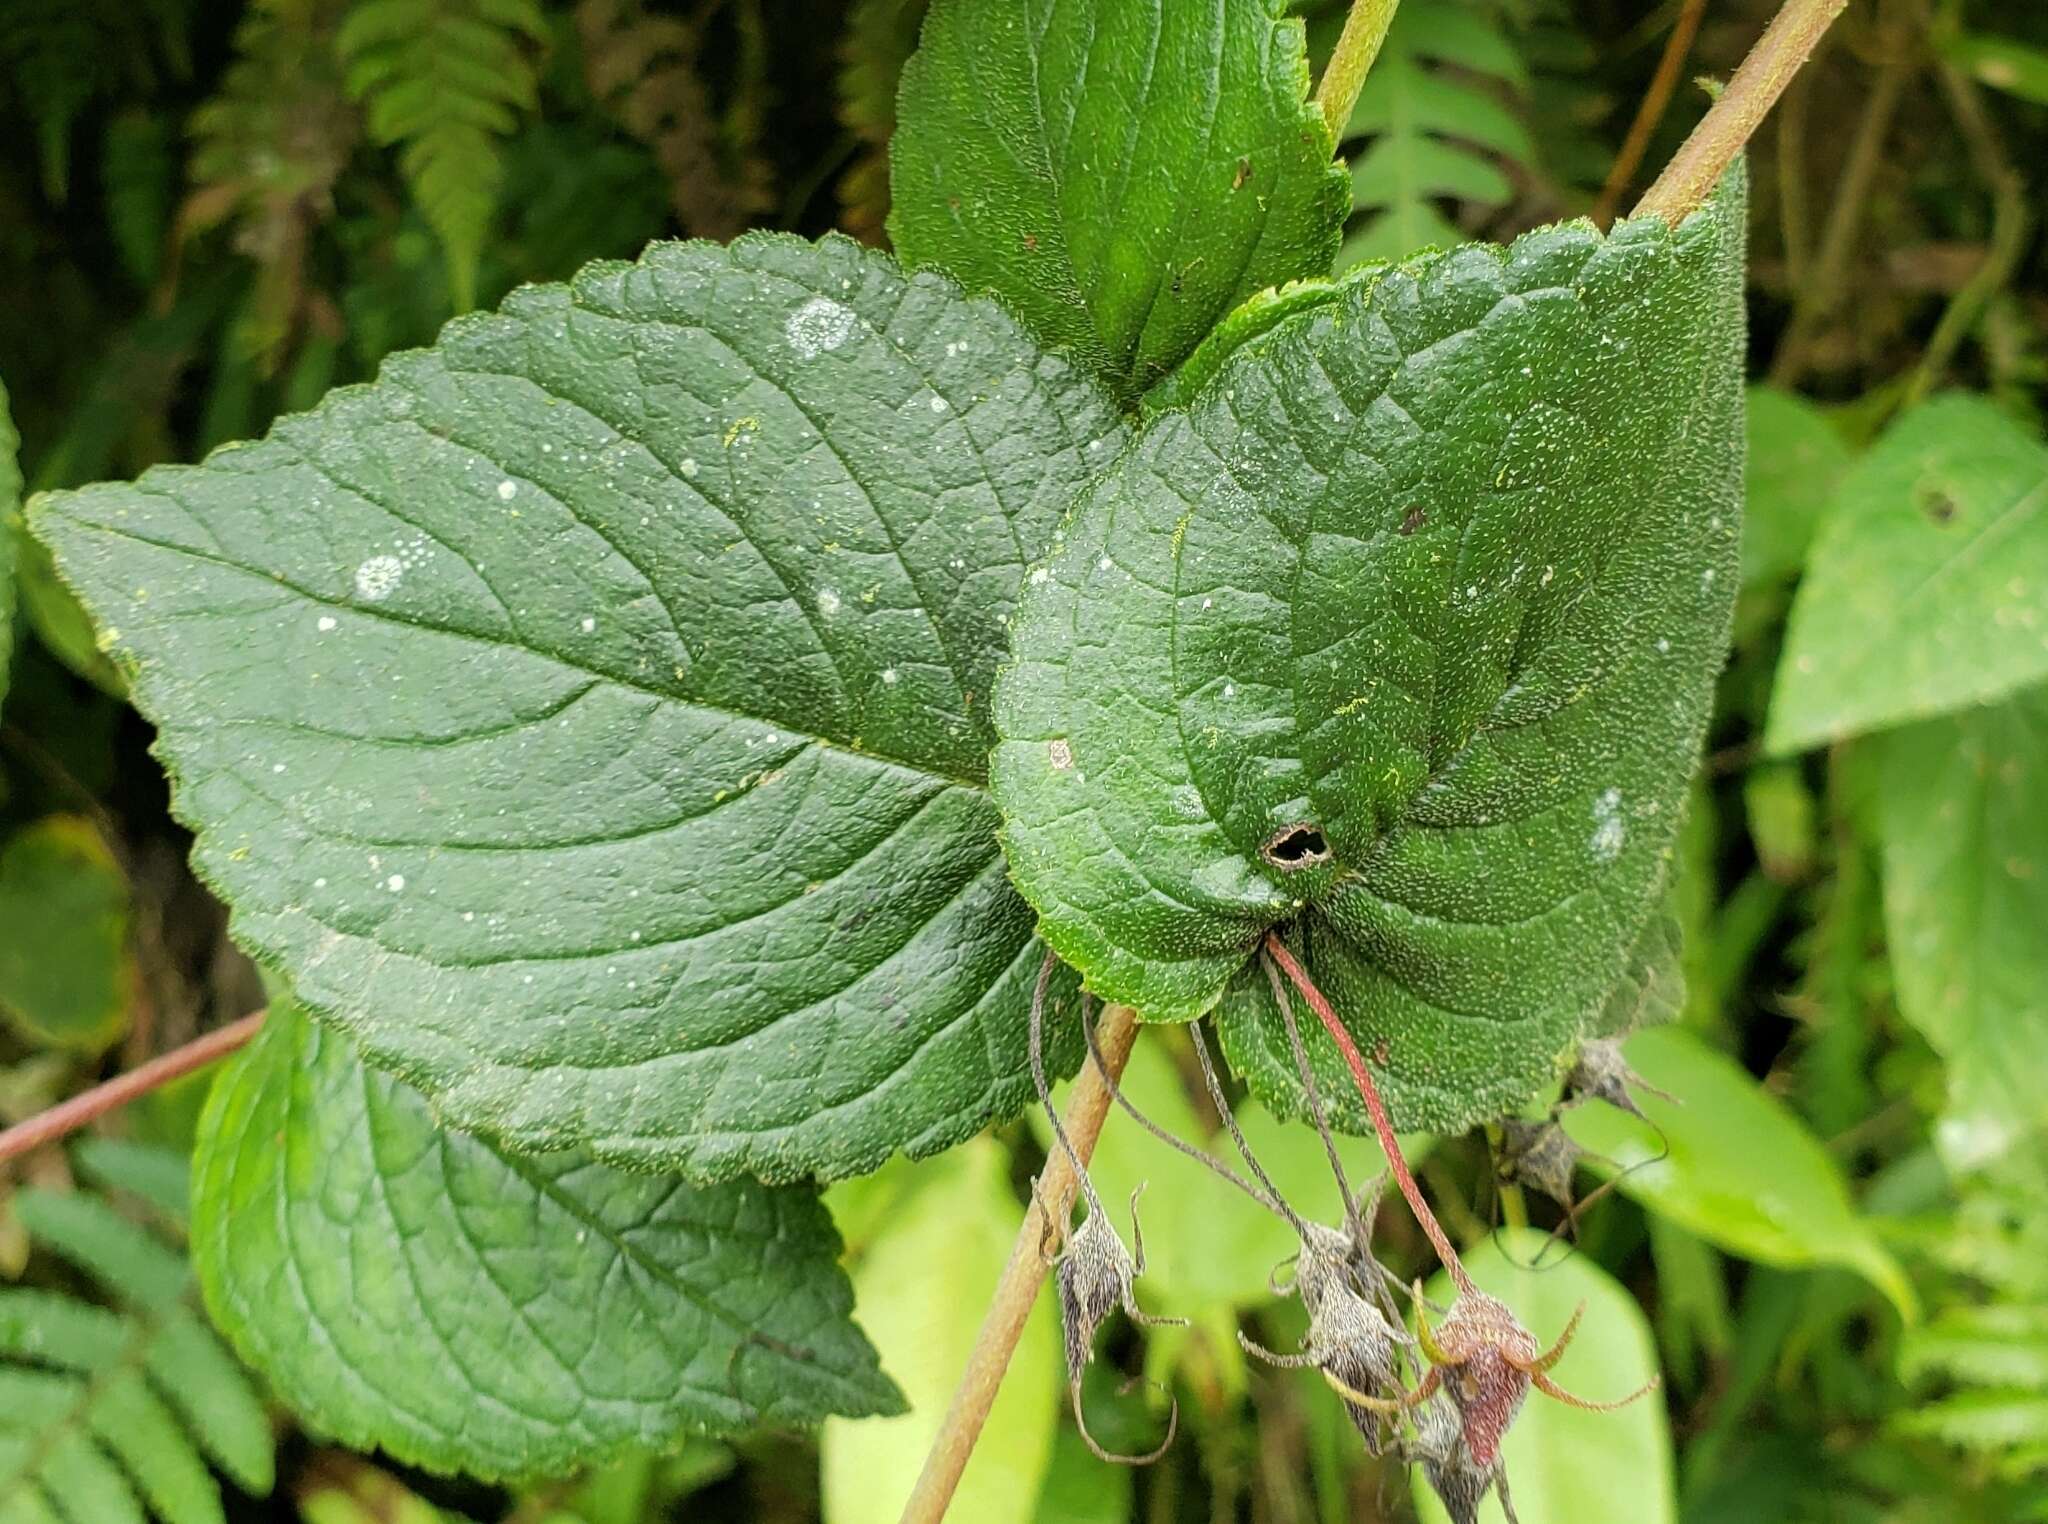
x: 1796, y: 460
x: 2002, y: 63
x: 1964, y: 813
x: 65, y: 978
x: 922, y: 1288
x: 1731, y: 1162
x: 413, y: 1289
x: 591, y: 715
x: 1120, y: 173
x: 10, y: 534
x: 1566, y: 1466
x: 1402, y: 635
x: 1927, y: 587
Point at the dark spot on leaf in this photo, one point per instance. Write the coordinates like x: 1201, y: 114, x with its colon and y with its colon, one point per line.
x: 1381, y: 1053
x: 1412, y: 520
x: 1244, y: 172
x: 1938, y: 505
x: 1297, y: 847
x: 1031, y: 241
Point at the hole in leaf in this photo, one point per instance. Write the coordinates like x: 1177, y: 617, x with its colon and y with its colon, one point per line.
x: 1297, y: 847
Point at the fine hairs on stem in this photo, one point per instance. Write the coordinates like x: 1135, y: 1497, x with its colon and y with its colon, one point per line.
x: 1375, y: 1108
x: 1269, y: 1199
x: 1036, y: 1044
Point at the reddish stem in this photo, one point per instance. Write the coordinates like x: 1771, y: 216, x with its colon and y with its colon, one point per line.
x: 48, y: 1126
x: 1375, y: 1107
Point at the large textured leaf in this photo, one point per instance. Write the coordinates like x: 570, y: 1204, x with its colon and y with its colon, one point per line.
x: 1401, y: 636
x: 414, y: 1289
x: 1121, y: 173
x: 1566, y: 1466
x: 1965, y: 821
x: 1730, y: 1162
x: 923, y: 1286
x: 590, y: 715
x: 1927, y: 586
x: 10, y: 507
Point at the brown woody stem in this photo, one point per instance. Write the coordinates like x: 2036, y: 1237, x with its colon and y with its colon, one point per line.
x: 1374, y: 1106
x: 1650, y: 113
x: 1018, y: 1289
x: 48, y: 1126
x: 1697, y: 166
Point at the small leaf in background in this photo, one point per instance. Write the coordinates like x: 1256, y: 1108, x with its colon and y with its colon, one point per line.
x: 922, y: 1288
x: 1964, y: 811
x: 880, y: 37
x: 1796, y: 459
x: 1402, y: 635
x: 1120, y: 173
x: 66, y: 978
x: 1566, y: 1466
x: 10, y: 535
x: 1434, y: 109
x: 1732, y: 1163
x: 340, y: 1489
x: 445, y: 81
x: 1926, y: 589
x: 108, y: 1410
x: 1079, y: 1489
x: 415, y: 1290
x: 1780, y: 808
x: 2003, y: 63
x: 593, y: 713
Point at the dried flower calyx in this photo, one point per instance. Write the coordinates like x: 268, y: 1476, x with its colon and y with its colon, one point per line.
x: 1601, y: 1073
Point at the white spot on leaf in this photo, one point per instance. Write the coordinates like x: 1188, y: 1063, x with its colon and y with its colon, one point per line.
x: 378, y: 577
x: 1060, y: 754
x: 818, y: 325
x: 1609, y: 834
x: 507, y: 488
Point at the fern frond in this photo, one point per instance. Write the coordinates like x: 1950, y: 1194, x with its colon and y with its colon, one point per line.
x: 1998, y: 1345
x: 880, y: 37
x: 644, y: 69
x: 109, y: 1413
x: 1434, y: 129
x: 157, y: 1175
x: 443, y: 81
x: 57, y: 61
x: 266, y: 151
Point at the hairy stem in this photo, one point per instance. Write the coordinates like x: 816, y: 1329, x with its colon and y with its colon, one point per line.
x: 48, y: 1126
x: 1017, y: 1290
x: 1374, y: 1106
x: 1697, y: 166
x: 1365, y: 28
x: 2010, y: 224
x: 1650, y: 114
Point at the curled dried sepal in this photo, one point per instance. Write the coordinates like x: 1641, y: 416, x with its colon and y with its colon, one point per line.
x: 1600, y: 1072
x: 1541, y: 1155
x: 1458, y: 1480
x: 1485, y: 1361
x: 1096, y: 1275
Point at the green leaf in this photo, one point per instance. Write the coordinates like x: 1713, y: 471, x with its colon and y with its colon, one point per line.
x: 590, y: 716
x: 1964, y: 812
x: 1730, y: 1162
x: 65, y: 975
x: 2002, y: 63
x: 1401, y: 635
x: 105, y: 1410
x: 445, y: 81
x: 1432, y: 107
x: 1121, y: 173
x: 922, y: 1287
x: 415, y: 1290
x: 1566, y: 1466
x: 1925, y: 589
x: 1796, y: 459
x: 10, y: 534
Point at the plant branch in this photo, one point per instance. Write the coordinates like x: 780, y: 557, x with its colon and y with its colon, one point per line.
x: 1821, y: 291
x: 68, y: 1117
x: 1374, y: 1106
x: 1650, y: 114
x: 1697, y: 166
x: 1017, y: 1290
x: 2010, y: 224
x: 1365, y: 28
